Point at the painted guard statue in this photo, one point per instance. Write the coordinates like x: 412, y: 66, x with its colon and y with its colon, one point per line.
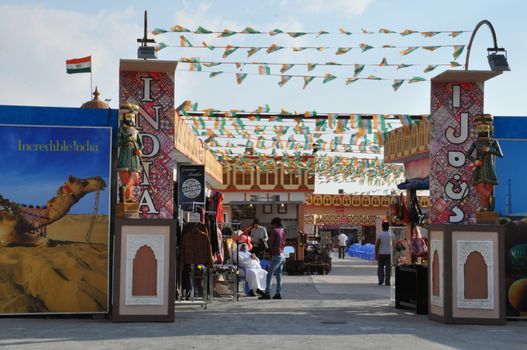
x: 129, y: 162
x: 486, y: 147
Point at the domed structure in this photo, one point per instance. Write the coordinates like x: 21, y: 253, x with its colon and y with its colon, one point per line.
x: 95, y: 103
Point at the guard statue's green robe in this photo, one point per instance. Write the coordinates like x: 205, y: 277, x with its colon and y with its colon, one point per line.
x: 129, y: 142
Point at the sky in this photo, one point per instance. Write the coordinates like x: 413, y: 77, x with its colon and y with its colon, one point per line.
x: 40, y: 36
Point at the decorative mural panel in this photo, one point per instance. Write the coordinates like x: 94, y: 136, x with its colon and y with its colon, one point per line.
x: 464, y: 249
x: 452, y: 197
x: 436, y: 252
x: 153, y: 92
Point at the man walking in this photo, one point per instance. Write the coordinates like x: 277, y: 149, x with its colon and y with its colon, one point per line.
x: 383, y: 250
x: 276, y: 246
x: 343, y: 240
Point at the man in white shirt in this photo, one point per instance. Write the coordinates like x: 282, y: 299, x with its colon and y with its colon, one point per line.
x: 259, y: 237
x: 383, y: 252
x: 343, y: 240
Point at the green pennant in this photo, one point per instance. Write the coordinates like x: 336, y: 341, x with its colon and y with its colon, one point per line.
x: 397, y: 84
x: 416, y: 79
x: 384, y: 62
x: 458, y: 50
x: 214, y: 74
x: 184, y: 42
x: 358, y: 69
x: 328, y: 77
x: 249, y: 30
x: 161, y: 46
x: 229, y: 50
x: 351, y: 80
x: 307, y: 80
x: 365, y: 47
x: 344, y: 31
x: 202, y: 30
x: 430, y: 68
x: 322, y: 32
x: 295, y: 34
x: 402, y: 65
x: 275, y: 32
x: 342, y: 50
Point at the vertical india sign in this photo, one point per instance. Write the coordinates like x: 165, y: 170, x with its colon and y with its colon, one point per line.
x: 457, y: 96
x: 150, y: 85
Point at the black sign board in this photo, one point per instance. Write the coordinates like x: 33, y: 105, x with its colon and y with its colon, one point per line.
x: 191, y: 186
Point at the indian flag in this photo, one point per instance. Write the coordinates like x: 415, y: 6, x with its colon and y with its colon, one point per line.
x: 78, y: 65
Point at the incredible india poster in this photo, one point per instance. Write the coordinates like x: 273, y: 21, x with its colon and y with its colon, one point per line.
x: 54, y: 219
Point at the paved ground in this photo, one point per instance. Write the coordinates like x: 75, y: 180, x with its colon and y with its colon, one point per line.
x: 343, y: 310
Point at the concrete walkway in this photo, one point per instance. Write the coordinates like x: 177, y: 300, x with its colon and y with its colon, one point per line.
x: 343, y: 310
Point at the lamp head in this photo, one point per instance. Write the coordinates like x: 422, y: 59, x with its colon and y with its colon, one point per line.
x: 498, y: 61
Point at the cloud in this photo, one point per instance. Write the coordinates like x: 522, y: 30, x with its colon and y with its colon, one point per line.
x: 342, y: 7
x: 41, y: 39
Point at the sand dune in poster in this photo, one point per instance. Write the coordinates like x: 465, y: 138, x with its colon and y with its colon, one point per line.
x: 69, y: 275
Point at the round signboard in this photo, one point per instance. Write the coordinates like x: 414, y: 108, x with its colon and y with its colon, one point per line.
x: 191, y: 188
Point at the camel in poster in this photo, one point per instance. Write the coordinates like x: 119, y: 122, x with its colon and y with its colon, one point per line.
x: 23, y: 225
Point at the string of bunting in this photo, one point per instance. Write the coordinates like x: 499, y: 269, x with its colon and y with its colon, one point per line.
x: 264, y: 68
x: 342, y: 31
x: 331, y: 168
x: 230, y: 49
x: 307, y: 79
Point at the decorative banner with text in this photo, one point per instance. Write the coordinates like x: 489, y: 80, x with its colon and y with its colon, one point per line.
x: 150, y: 85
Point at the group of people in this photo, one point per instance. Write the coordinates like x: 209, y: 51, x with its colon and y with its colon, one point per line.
x: 258, y: 279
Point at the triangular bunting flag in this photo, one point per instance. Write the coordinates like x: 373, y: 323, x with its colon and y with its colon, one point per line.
x: 184, y: 41
x: 416, y: 79
x: 322, y: 32
x: 307, y: 80
x: 342, y: 50
x: 229, y: 50
x: 458, y: 50
x: 311, y: 66
x: 430, y: 68
x: 273, y: 48
x: 365, y: 47
x: 386, y: 31
x: 351, y: 80
x: 454, y: 34
x: 202, y: 30
x: 226, y: 33
x: 214, y: 74
x: 408, y: 50
x: 286, y: 67
x: 210, y: 47
x: 158, y: 31
x: 298, y: 49
x: 178, y: 28
x: 252, y: 51
x: 344, y: 31
x: 295, y: 34
x: 431, y: 48
x: 275, y: 32
x: 397, y: 84
x: 284, y: 79
x: 358, y: 69
x: 429, y: 34
x: 384, y: 62
x: 400, y: 66
x: 408, y: 32
x: 264, y: 69
x: 249, y: 30
x: 328, y: 77
x: 240, y: 77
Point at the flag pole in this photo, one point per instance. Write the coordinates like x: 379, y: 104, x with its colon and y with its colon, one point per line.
x: 91, y: 81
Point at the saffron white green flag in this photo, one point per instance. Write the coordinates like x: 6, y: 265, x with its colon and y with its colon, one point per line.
x: 78, y: 65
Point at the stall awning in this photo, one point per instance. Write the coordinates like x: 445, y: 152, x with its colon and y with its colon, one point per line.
x: 415, y: 184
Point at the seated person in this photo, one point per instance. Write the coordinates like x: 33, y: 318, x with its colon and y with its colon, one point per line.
x: 254, y: 274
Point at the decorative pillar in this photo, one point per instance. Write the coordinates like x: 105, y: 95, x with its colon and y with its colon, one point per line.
x: 457, y: 96
x: 150, y: 85
x: 461, y: 252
